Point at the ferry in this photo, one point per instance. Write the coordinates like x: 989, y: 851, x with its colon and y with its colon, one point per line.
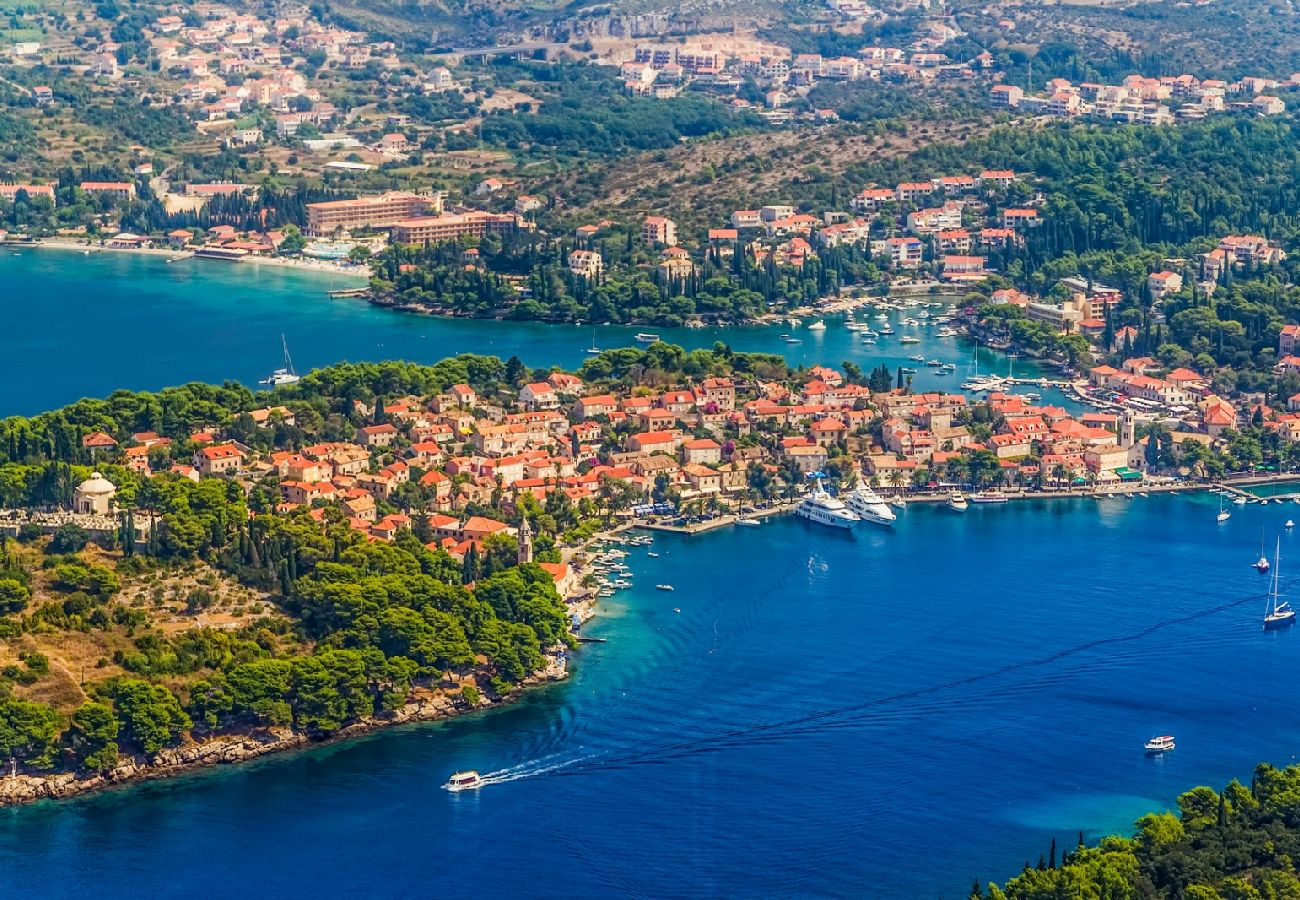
x: 1159, y: 744
x: 988, y: 497
x: 956, y: 502
x: 642, y: 337
x: 822, y: 508
x: 464, y: 781
x: 869, y: 506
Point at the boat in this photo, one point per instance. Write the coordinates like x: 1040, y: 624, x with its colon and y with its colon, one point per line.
x: 956, y: 501
x: 898, y: 501
x: 933, y: 363
x: 747, y: 522
x: 907, y: 370
x: 988, y: 497
x: 283, y: 376
x: 791, y: 340
x: 677, y: 609
x: 652, y: 555
x: 1289, y: 524
x: 664, y: 587
x: 819, y: 325
x: 916, y: 357
x: 1279, y: 613
x: 822, y: 508
x: 464, y: 781
x: 1224, y: 515
x: 1239, y: 501
x: 1261, y: 566
x: 593, y: 350
x: 869, y: 506
x: 908, y: 339
x: 642, y: 337
x: 885, y: 329
x: 1161, y: 744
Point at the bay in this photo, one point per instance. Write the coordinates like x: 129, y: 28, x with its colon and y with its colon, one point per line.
x: 887, y: 713
x: 83, y: 326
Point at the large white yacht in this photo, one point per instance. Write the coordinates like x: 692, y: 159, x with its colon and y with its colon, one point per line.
x: 869, y: 506
x: 822, y: 508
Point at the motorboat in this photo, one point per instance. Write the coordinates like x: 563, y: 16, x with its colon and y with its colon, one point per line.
x: 1279, y: 613
x: 819, y: 325
x: 934, y: 363
x: 664, y: 587
x: 988, y: 497
x: 824, y: 509
x: 869, y: 506
x: 464, y: 781
x: 956, y: 501
x: 642, y: 337
x: 899, y: 502
x: 747, y: 522
x: 1161, y: 744
x: 916, y: 357
x: 908, y: 339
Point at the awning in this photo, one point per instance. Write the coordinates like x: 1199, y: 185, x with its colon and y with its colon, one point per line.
x: 1127, y: 474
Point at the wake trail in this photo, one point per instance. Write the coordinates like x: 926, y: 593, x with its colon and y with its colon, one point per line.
x: 857, y: 713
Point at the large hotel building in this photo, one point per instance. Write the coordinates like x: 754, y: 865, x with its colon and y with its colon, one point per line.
x: 383, y: 211
x: 431, y: 229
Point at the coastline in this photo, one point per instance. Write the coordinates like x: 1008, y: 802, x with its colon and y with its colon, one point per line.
x: 304, y: 265
x: 245, y: 746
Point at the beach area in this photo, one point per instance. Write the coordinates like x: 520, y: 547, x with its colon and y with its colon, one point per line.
x: 88, y: 246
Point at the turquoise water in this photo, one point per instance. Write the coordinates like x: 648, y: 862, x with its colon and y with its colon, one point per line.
x: 80, y: 326
x: 890, y: 713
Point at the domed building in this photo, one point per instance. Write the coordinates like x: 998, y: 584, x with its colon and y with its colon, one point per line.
x: 94, y: 496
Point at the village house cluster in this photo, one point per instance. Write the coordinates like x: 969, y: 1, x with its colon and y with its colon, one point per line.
x: 1148, y: 101
x: 664, y: 70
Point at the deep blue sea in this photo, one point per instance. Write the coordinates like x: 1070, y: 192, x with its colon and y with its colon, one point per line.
x: 84, y: 326
x: 889, y: 713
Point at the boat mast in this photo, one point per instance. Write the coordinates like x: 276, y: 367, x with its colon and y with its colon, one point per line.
x: 288, y: 362
x: 1277, y: 559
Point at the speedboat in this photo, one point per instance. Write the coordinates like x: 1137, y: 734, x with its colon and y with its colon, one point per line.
x: 1159, y: 744
x: 464, y: 781
x: 956, y: 502
x: 822, y: 508
x: 899, y: 502
x: 916, y: 357
x: 869, y: 506
x: 645, y: 338
x: 664, y: 587
x: 748, y: 523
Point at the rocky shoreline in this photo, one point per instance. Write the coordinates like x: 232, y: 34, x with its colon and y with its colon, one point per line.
x: 233, y: 748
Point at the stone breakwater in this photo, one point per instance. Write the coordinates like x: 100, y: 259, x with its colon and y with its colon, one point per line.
x: 229, y: 749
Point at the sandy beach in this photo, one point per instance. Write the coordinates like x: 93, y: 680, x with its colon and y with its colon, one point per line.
x: 284, y: 262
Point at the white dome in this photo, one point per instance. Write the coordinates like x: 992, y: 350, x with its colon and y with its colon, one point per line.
x: 96, y: 484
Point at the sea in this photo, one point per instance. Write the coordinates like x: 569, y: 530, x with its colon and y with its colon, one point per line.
x: 891, y: 712
x: 83, y: 326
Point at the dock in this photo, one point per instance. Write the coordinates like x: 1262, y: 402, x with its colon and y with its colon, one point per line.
x: 344, y: 293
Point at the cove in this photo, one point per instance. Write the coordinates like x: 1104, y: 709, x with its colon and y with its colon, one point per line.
x: 85, y: 326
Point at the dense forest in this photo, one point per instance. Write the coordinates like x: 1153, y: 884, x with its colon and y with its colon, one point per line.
x: 1240, y: 843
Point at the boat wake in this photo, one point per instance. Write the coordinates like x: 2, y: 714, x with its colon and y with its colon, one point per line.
x: 532, y: 769
x: 858, y: 714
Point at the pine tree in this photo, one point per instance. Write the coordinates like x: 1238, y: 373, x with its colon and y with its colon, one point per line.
x: 1051, y: 855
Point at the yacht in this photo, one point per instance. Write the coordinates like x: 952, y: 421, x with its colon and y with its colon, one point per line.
x: 664, y: 587
x: 283, y: 376
x: 643, y: 337
x: 1159, y: 744
x: 916, y: 357
x: 1279, y: 613
x: 885, y: 329
x: 822, y: 508
x: 956, y: 501
x: 988, y: 497
x: 819, y: 325
x: 869, y: 506
x: 933, y: 363
x: 747, y: 522
x: 908, y: 339
x: 464, y: 781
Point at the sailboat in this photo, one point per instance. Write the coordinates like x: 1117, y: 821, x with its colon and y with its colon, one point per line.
x: 593, y: 350
x: 1262, y: 565
x: 1279, y: 614
x: 283, y: 376
x: 1224, y: 515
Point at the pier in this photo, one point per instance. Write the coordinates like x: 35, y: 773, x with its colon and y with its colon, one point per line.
x: 344, y: 293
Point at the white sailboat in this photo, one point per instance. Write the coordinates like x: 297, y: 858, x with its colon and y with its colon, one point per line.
x: 1261, y: 565
x: 283, y: 376
x: 1224, y: 515
x: 1279, y: 613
